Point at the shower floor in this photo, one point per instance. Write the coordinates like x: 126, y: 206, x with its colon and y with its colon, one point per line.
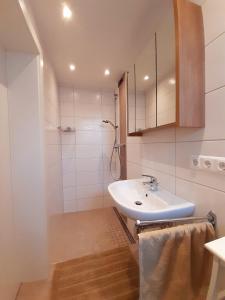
x: 74, y: 235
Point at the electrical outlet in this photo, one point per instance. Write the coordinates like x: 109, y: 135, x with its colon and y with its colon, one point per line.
x: 220, y: 164
x: 207, y: 162
x: 195, y: 162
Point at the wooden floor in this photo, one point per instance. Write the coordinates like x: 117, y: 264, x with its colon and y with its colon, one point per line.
x: 75, y: 235
x: 113, y: 274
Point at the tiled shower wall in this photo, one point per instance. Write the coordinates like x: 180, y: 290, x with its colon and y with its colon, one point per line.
x: 86, y: 152
x: 166, y: 153
x: 52, y: 145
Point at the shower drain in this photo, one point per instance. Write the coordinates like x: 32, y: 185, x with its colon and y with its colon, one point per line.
x: 138, y: 202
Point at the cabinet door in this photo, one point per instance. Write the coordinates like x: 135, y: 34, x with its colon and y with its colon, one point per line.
x: 166, y: 68
x: 145, y: 79
x: 131, y: 110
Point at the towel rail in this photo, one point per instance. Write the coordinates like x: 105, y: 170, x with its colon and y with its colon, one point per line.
x: 141, y: 225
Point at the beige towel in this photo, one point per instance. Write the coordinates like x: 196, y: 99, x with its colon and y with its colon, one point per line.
x: 174, y: 265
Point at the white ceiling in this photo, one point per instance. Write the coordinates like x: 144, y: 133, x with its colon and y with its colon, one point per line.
x: 102, y: 34
x: 14, y: 33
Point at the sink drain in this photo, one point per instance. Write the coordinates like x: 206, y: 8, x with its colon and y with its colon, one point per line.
x: 138, y: 202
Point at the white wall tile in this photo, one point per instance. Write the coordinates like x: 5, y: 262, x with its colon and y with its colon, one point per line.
x: 68, y: 179
x: 214, y: 122
x: 205, y: 198
x: 67, y: 109
x: 108, y: 112
x: 88, y: 123
x: 134, y: 140
x: 214, y: 21
x: 134, y: 153
x: 66, y: 94
x: 106, y: 162
x: 67, y: 138
x: 70, y: 206
x: 215, y: 58
x: 85, y: 172
x: 133, y: 170
x: 69, y: 194
x: 164, y: 135
x: 88, y: 110
x: 88, y: 137
x: 68, y: 165
x: 107, y: 150
x: 89, y: 178
x: 85, y: 151
x: 159, y: 156
x: 108, y: 177
x: 84, y: 97
x: 184, y: 151
x: 68, y: 151
x: 108, y: 137
x: 89, y: 191
x: 89, y: 165
x: 67, y: 122
x: 90, y: 203
x: 108, y: 98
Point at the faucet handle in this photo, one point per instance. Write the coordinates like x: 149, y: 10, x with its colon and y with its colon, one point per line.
x: 153, y: 182
x: 152, y: 178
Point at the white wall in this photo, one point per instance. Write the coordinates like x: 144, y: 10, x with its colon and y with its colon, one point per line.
x: 49, y: 114
x: 9, y: 281
x: 30, y: 165
x: 86, y: 153
x: 27, y: 164
x: 166, y: 153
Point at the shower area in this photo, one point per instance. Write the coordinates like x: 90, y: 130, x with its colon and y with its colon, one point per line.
x: 90, y: 148
x: 115, y: 157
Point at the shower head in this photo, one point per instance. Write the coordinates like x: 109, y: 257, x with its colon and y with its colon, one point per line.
x: 111, y: 123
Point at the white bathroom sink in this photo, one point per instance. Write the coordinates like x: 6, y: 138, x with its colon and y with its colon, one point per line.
x: 155, y: 205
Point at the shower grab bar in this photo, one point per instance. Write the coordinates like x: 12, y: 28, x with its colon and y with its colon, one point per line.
x: 141, y: 225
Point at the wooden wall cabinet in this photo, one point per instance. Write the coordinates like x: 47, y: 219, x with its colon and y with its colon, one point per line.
x: 189, y: 73
x: 190, y: 64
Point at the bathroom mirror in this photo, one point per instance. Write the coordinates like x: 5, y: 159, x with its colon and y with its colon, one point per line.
x: 142, y: 90
x: 166, y: 69
x: 131, y: 105
x: 145, y: 75
x: 152, y: 81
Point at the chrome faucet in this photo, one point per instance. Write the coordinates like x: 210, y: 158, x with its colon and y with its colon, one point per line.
x: 153, y: 182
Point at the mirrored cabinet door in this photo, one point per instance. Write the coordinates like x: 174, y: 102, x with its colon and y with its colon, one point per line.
x: 131, y: 109
x: 145, y: 75
x: 166, y: 85
x: 166, y: 68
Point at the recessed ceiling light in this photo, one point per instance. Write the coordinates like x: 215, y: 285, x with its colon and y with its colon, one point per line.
x: 172, y: 81
x: 67, y: 13
x: 72, y: 67
x: 146, y: 77
x: 107, y: 72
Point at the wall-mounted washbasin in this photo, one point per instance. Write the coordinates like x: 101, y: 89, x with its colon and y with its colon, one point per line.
x: 136, y: 201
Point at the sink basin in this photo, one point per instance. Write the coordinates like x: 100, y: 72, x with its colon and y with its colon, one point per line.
x: 137, y: 202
